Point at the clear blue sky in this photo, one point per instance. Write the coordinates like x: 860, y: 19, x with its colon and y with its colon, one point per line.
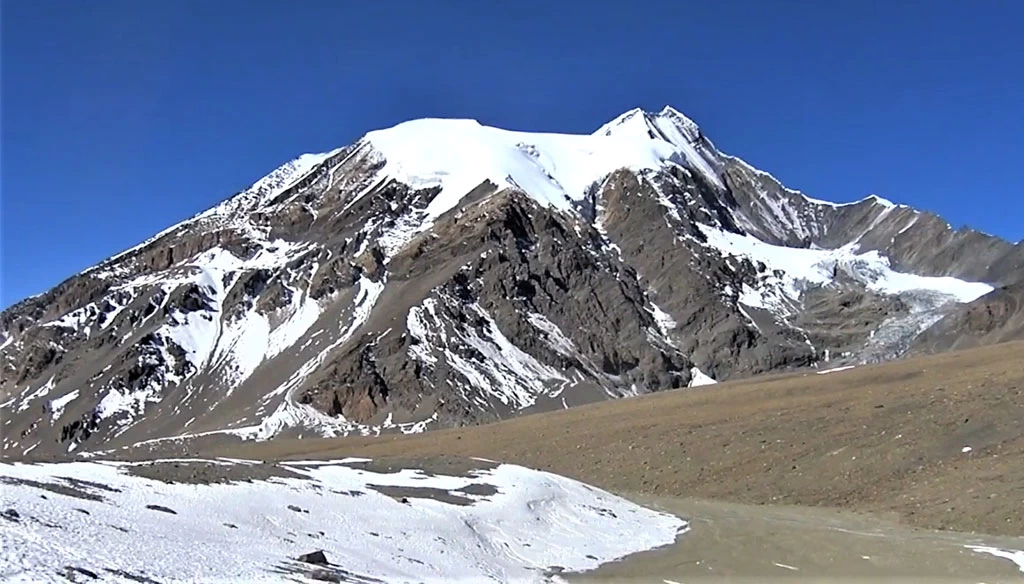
x: 121, y: 118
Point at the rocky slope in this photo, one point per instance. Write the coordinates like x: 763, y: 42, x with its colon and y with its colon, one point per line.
x: 444, y: 273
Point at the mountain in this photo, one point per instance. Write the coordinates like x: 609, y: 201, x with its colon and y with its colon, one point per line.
x: 444, y: 273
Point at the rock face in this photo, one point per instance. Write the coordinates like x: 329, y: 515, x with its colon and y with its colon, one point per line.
x: 442, y: 273
x: 318, y: 557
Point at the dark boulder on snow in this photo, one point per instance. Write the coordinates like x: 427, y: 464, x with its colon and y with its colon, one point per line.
x: 316, y: 557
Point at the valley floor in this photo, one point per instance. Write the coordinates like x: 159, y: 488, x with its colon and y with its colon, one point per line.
x: 935, y: 442
x: 728, y: 542
x: 921, y: 455
x: 888, y: 472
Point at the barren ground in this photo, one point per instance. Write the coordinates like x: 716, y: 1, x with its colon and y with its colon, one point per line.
x: 877, y: 473
x: 891, y: 440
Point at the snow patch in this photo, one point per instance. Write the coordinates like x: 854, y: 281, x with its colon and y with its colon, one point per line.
x: 241, y: 349
x: 57, y: 405
x: 490, y: 363
x: 41, y: 391
x: 303, y: 314
x: 699, y: 378
x: 125, y: 402
x: 789, y: 271
x: 785, y: 566
x: 246, y: 342
x: 247, y: 531
x: 553, y: 335
x: 506, y: 371
x: 664, y: 321
x: 291, y: 414
x: 196, y: 333
x: 419, y: 323
x: 835, y: 369
x: 1015, y: 556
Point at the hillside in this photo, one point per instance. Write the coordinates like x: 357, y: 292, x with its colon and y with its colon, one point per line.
x: 933, y: 441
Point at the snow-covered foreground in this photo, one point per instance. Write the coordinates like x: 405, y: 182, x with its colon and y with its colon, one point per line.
x: 502, y: 523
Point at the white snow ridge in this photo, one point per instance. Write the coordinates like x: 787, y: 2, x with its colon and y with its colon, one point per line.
x: 555, y: 169
x: 500, y: 524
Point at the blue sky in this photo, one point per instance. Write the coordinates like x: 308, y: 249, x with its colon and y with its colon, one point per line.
x: 120, y: 118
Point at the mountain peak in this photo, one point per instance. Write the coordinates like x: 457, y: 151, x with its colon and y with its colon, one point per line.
x: 556, y: 169
x: 678, y: 116
x: 879, y: 200
x: 668, y: 125
x: 619, y: 120
x: 638, y: 117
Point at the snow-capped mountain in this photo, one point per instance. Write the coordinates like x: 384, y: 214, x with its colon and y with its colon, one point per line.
x: 442, y: 272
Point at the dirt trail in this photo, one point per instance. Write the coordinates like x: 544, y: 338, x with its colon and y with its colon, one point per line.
x: 741, y: 543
